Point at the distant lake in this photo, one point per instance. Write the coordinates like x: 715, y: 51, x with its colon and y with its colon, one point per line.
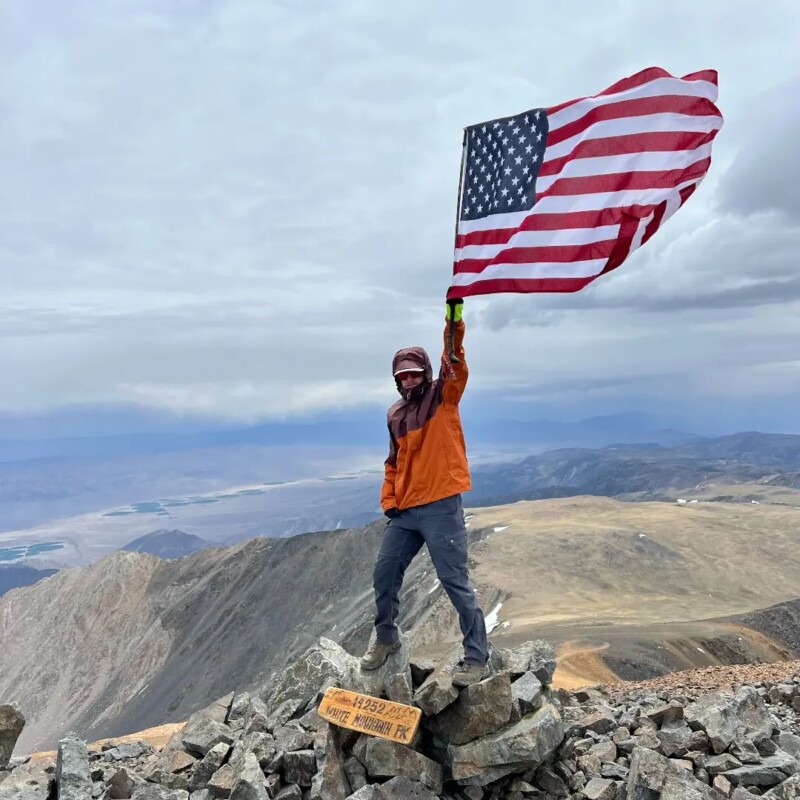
x: 26, y: 551
x: 161, y: 506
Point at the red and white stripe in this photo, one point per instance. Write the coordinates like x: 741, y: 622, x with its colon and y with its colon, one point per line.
x: 616, y: 166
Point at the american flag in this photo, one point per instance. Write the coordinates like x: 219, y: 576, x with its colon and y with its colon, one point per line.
x: 554, y: 197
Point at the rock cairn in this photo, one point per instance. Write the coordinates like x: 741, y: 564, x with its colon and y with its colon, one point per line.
x: 509, y: 737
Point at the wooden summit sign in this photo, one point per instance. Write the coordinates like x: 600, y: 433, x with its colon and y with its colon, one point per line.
x: 361, y: 712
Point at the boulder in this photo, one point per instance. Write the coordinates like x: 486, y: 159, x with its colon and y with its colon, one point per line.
x: 651, y: 775
x: 386, y: 759
x: 536, y: 656
x: 291, y: 737
x: 402, y: 788
x: 788, y: 790
x: 323, y: 663
x: 12, y: 722
x: 152, y: 791
x: 516, y: 747
x: 123, y: 783
x: 331, y: 781
x: 299, y: 767
x: 28, y: 782
x: 201, y: 733
x: 73, y: 780
x: 480, y: 709
x: 208, y: 765
x: 770, y: 772
x: 724, y: 717
x: 526, y: 694
x: 249, y: 784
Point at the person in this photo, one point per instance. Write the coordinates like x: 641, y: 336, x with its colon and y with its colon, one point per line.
x: 425, y: 474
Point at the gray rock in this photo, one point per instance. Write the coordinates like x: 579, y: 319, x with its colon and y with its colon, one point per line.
x: 73, y: 780
x: 356, y: 774
x: 788, y: 790
x: 480, y: 709
x: 221, y: 782
x: 536, y: 656
x: 209, y: 764
x: 605, y: 750
x: 667, y: 714
x: 600, y: 789
x: 179, y: 761
x: 323, y: 663
x: 273, y: 784
x: 250, y: 783
x: 202, y: 794
x: 293, y: 792
x: 330, y: 781
x: 437, y: 692
x: 652, y: 776
x: 789, y: 743
x: 420, y: 669
x: 526, y: 693
x: 12, y: 722
x: 219, y: 709
x: 598, y: 721
x: 675, y: 738
x: 299, y: 767
x: 402, y: 788
x: 723, y: 785
x: 152, y: 791
x: 367, y: 792
x: 129, y: 750
x: 723, y: 717
x: 282, y: 714
x: 261, y: 744
x: 201, y: 733
x: 123, y: 783
x: 614, y: 771
x: 745, y: 751
x: 386, y: 759
x: 292, y: 737
x: 239, y: 706
x: 715, y: 765
x: 551, y: 782
x: 519, y: 746
x: 770, y: 772
x: 28, y: 782
x: 256, y: 717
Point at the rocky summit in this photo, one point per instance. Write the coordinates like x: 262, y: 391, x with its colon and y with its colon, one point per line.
x: 510, y: 737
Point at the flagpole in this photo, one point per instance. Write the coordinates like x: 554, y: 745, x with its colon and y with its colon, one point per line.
x: 451, y: 333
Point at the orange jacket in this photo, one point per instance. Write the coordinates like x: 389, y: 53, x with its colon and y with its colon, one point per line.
x: 427, y: 453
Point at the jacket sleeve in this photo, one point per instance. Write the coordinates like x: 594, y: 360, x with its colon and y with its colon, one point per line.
x: 454, y: 376
x: 388, y: 499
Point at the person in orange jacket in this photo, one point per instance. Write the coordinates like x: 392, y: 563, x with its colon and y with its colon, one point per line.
x: 425, y: 474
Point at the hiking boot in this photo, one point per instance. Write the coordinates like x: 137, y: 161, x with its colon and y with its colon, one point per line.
x: 469, y: 674
x: 378, y: 653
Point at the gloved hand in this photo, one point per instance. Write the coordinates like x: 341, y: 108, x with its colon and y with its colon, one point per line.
x: 391, y: 512
x: 455, y: 308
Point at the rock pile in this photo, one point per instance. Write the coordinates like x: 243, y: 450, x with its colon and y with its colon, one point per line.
x: 508, y: 738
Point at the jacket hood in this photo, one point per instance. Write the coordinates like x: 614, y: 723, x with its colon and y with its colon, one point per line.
x: 412, y: 358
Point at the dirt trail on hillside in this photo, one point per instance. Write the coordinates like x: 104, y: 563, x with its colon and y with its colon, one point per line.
x: 579, y: 664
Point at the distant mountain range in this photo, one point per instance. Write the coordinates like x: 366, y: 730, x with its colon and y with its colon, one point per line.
x: 15, y: 576
x: 167, y: 544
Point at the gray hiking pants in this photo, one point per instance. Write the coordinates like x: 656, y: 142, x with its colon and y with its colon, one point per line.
x: 440, y: 525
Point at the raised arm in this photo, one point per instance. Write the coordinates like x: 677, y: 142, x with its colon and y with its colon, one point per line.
x: 455, y: 374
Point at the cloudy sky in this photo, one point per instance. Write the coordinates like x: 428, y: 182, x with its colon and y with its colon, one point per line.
x: 244, y: 207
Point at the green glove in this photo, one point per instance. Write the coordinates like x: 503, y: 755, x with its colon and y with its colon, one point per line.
x: 455, y: 308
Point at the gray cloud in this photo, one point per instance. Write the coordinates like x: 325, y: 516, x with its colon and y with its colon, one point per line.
x: 242, y: 207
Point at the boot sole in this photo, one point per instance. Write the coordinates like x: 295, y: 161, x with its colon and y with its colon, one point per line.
x: 397, y: 645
